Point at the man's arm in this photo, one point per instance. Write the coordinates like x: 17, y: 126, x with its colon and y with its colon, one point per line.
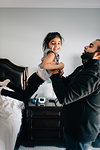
x: 83, y: 85
x: 58, y: 86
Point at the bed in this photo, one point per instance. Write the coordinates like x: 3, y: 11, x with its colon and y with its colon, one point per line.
x: 11, y: 109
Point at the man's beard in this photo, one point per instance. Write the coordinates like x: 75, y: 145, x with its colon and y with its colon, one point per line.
x: 87, y: 56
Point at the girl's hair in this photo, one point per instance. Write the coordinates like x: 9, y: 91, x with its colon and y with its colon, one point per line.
x: 49, y: 37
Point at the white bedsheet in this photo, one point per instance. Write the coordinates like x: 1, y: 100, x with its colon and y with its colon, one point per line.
x: 10, y: 121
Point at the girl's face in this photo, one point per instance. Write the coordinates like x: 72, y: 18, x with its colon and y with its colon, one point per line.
x: 55, y: 44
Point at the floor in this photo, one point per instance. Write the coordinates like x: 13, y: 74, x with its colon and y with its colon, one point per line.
x: 41, y: 148
x: 48, y: 148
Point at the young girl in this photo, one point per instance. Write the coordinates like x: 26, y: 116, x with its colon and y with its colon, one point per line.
x: 50, y: 61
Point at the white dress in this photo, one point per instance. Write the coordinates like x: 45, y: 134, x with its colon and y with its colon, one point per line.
x: 43, y: 73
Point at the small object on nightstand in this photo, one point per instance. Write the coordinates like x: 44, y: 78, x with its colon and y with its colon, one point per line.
x: 34, y: 100
x: 54, y: 101
x: 41, y: 100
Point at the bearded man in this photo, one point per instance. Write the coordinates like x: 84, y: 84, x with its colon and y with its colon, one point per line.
x: 80, y: 95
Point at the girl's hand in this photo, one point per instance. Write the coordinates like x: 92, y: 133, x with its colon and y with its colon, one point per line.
x: 61, y: 65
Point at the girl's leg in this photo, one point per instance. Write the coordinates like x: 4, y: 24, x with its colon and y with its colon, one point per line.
x: 14, y: 87
x: 12, y: 94
x: 33, y: 83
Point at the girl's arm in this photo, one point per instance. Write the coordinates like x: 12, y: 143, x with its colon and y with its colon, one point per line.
x: 49, y: 62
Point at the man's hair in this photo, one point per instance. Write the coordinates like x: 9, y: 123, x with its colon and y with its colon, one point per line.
x: 98, y: 49
x: 97, y: 39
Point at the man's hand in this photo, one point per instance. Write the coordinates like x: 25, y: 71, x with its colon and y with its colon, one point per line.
x: 56, y: 71
x: 61, y: 72
x: 53, y: 71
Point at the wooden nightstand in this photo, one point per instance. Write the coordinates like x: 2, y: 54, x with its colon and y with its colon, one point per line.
x: 43, y: 125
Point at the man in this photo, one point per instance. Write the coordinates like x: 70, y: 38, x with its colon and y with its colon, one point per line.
x: 80, y: 95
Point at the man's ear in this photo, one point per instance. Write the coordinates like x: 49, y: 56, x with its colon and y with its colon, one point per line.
x: 96, y: 55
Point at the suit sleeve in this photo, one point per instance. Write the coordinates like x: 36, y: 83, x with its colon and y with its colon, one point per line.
x: 59, y: 87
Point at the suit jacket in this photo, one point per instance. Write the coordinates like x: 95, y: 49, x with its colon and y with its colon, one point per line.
x: 80, y: 95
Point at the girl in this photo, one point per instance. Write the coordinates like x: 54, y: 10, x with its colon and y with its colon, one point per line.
x: 50, y: 61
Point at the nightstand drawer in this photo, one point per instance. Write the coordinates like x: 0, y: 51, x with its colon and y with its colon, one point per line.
x: 43, y: 123
x: 45, y: 134
x: 44, y: 113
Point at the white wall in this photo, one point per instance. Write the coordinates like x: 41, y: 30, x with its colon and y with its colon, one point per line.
x: 22, y: 32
